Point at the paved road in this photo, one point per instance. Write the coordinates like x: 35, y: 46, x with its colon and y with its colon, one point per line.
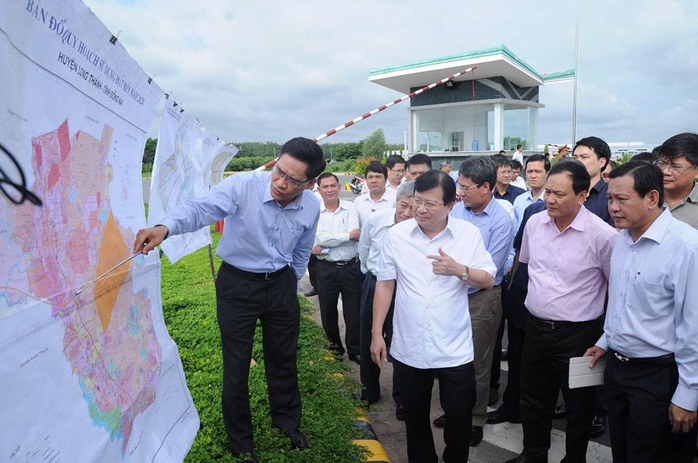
x: 501, y: 441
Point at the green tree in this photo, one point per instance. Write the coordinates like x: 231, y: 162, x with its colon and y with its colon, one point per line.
x: 149, y: 151
x: 257, y: 149
x: 149, y: 155
x: 510, y: 143
x: 344, y: 151
x: 394, y: 147
x: 374, y: 145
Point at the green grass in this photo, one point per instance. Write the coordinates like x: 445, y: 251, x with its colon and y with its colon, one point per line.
x: 189, y: 307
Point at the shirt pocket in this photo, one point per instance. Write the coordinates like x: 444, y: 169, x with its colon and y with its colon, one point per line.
x: 651, y: 295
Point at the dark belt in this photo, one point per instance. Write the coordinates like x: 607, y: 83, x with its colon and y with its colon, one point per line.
x: 340, y: 263
x: 552, y: 325
x: 662, y: 360
x: 257, y: 276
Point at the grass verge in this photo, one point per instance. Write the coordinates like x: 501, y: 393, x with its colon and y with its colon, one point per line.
x: 189, y: 305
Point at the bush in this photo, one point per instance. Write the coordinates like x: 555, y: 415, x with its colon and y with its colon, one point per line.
x: 348, y: 165
x: 247, y: 163
x: 189, y: 306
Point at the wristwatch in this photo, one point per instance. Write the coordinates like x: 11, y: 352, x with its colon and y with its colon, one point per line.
x: 465, y: 276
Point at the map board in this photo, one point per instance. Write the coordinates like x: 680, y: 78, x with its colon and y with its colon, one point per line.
x: 88, y: 371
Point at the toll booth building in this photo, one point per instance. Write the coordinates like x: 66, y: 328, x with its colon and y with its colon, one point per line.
x: 493, y: 107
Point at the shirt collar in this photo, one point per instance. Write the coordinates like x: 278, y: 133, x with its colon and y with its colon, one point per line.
x: 342, y: 205
x: 577, y: 224
x: 487, y: 210
x: 529, y: 195
x: 382, y: 198
x: 658, y: 229
x: 600, y: 185
x: 691, y: 198
x: 448, y: 229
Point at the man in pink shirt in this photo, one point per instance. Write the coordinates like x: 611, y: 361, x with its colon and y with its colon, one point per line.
x: 568, y: 252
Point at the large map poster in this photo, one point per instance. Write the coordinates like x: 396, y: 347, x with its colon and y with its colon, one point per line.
x: 88, y: 371
x: 178, y: 176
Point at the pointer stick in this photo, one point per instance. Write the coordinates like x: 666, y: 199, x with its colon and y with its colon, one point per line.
x: 108, y: 271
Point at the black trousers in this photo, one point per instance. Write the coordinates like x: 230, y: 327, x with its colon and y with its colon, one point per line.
x: 241, y: 302
x: 312, y: 271
x: 638, y: 398
x: 496, y: 371
x: 331, y: 282
x: 457, y: 394
x: 511, y: 398
x: 369, y: 371
x: 545, y: 368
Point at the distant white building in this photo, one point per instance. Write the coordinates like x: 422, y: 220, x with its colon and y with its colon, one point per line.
x: 477, y: 111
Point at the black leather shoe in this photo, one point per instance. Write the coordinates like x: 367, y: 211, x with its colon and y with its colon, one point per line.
x: 311, y: 293
x: 297, y: 439
x: 560, y: 412
x: 248, y: 457
x: 355, y: 358
x: 400, y: 413
x: 494, y: 396
x: 523, y: 458
x: 598, y: 426
x: 476, y: 436
x: 440, y: 422
x: 502, y: 415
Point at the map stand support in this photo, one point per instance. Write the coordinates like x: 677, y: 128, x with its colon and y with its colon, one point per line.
x: 210, y: 259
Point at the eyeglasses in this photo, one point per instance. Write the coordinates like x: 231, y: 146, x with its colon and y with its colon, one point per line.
x: 417, y: 203
x: 295, y: 183
x: 468, y: 188
x: 397, y: 171
x: 673, y: 168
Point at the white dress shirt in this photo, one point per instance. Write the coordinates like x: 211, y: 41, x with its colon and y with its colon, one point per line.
x: 431, y: 324
x: 519, y: 182
x: 389, y: 186
x: 518, y: 156
x: 333, y: 232
x: 365, y: 205
x: 373, y: 235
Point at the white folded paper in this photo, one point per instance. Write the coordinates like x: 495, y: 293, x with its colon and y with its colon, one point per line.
x: 583, y: 376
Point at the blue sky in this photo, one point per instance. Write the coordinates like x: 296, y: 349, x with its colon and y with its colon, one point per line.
x: 271, y: 70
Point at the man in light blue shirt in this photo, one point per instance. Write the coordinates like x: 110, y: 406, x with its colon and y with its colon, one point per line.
x: 270, y: 224
x: 537, y: 168
x: 477, y: 178
x: 651, y: 377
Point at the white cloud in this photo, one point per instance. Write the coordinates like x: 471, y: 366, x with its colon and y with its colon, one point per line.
x: 270, y: 70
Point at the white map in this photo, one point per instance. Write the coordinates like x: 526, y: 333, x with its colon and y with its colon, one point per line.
x: 178, y: 176
x: 217, y: 155
x: 88, y: 371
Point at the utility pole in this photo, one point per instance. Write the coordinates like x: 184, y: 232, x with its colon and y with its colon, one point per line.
x: 576, y: 71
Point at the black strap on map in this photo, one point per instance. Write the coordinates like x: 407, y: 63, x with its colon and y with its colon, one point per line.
x: 7, y: 185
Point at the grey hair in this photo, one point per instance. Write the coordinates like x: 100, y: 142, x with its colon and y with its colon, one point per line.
x: 406, y: 189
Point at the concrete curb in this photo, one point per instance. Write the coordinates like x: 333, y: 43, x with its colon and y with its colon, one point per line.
x: 375, y: 451
x: 369, y: 440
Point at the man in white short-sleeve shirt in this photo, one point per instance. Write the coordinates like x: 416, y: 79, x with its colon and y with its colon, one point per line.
x: 432, y: 260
